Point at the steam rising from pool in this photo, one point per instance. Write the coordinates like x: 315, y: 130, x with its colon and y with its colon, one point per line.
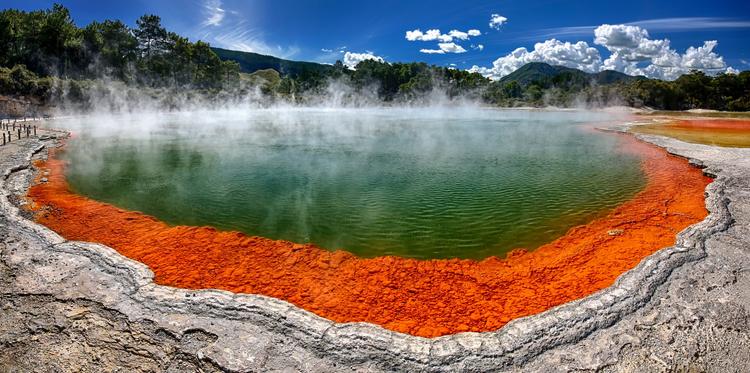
x: 427, y: 183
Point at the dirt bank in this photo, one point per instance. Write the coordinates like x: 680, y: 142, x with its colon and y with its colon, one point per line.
x: 425, y: 298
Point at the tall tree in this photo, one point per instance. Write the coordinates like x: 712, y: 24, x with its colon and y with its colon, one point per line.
x: 151, y: 36
x: 110, y: 48
x: 60, y: 40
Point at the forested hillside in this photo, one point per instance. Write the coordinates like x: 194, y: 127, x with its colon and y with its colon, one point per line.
x: 44, y: 55
x: 47, y: 43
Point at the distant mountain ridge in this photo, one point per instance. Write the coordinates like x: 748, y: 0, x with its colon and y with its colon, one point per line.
x: 535, y: 72
x: 531, y: 72
x: 251, y: 62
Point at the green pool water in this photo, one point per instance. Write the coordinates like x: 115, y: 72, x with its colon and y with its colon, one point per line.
x: 427, y: 183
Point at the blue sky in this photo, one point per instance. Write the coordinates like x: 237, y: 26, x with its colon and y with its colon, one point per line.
x: 325, y: 30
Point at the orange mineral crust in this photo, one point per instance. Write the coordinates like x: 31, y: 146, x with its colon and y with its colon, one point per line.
x: 714, y: 124
x: 720, y: 132
x: 422, y: 297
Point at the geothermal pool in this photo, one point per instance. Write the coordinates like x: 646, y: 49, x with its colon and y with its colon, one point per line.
x: 428, y: 183
x: 443, y: 181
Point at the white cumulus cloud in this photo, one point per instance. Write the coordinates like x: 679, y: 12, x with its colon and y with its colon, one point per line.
x: 445, y: 48
x: 703, y: 58
x: 429, y: 35
x: 634, y: 52
x: 631, y: 51
x: 554, y: 52
x: 451, y: 48
x: 630, y: 43
x: 414, y: 35
x: 446, y: 42
x: 351, y: 59
x: 497, y: 20
x: 436, y: 35
x: 619, y: 36
x: 460, y: 35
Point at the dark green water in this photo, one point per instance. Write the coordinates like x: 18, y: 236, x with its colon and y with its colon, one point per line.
x: 414, y: 183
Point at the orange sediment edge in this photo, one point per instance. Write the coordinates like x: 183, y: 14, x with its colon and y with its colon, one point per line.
x: 421, y: 297
x: 721, y: 132
x: 717, y: 124
x: 711, y: 125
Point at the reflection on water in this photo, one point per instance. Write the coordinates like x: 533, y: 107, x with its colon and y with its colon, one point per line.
x: 415, y: 183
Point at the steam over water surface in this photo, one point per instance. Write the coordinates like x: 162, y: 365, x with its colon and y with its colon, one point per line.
x: 423, y: 183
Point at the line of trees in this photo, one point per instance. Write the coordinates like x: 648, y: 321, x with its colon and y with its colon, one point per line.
x: 41, y: 51
x: 412, y: 80
x: 48, y: 43
x: 695, y: 90
x: 408, y: 82
x: 389, y: 82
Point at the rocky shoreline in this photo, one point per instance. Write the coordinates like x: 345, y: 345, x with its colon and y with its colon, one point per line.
x: 74, y: 306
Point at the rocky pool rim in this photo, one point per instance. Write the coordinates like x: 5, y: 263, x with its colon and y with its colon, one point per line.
x: 520, y: 339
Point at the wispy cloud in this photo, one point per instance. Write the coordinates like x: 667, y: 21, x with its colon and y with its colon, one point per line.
x: 213, y: 12
x: 691, y: 23
x: 241, y: 36
x: 229, y: 29
x: 660, y: 24
x: 330, y: 55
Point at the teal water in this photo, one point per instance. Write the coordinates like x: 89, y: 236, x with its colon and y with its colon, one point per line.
x: 415, y: 183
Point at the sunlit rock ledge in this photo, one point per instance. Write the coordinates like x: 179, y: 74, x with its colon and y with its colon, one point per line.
x: 75, y: 306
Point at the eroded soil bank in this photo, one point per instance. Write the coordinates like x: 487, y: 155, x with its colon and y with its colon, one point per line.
x: 425, y: 298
